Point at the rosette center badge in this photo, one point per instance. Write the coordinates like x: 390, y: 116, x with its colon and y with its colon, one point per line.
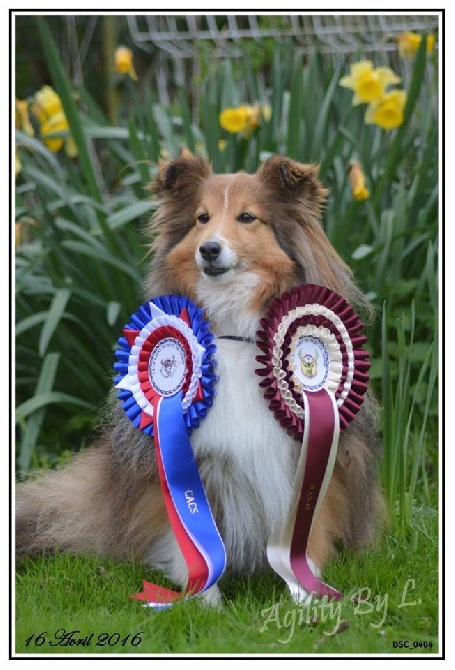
x: 309, y: 362
x: 167, y: 367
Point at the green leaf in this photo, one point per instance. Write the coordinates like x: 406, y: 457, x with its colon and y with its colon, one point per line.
x: 101, y: 255
x: 34, y: 145
x: 29, y: 322
x: 60, y: 80
x: 294, y: 129
x: 130, y: 213
x: 32, y: 427
x: 323, y: 122
x: 362, y: 251
x: 150, y: 126
x: 419, y: 352
x: 188, y: 134
x: 88, y: 236
x: 396, y: 149
x: 415, y: 86
x: 229, y: 93
x: 54, y: 315
x: 42, y: 400
x: 113, y: 310
x: 212, y: 133
x: 106, y: 132
x: 95, y: 112
x: 165, y: 127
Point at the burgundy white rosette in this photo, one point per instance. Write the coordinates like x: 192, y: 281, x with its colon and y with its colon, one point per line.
x: 314, y: 374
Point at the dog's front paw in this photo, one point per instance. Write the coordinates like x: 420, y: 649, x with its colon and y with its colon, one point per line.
x: 212, y: 597
x: 299, y: 595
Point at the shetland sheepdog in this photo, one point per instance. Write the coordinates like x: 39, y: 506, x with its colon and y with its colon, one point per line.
x: 231, y: 243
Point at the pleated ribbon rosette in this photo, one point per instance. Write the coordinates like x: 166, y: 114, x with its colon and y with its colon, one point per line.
x: 165, y: 378
x: 314, y: 374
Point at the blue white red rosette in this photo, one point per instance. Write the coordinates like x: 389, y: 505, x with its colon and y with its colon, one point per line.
x: 315, y: 375
x: 177, y: 319
x: 165, y: 377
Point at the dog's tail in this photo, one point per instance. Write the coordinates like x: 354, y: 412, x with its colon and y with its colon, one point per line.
x: 93, y: 505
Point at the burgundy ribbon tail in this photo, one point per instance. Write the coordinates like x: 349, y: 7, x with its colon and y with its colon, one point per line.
x: 323, y: 423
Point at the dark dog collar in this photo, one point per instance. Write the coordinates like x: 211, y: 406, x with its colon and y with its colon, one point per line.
x: 237, y: 338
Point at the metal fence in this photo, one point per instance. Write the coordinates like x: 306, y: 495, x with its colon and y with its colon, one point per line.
x: 176, y: 40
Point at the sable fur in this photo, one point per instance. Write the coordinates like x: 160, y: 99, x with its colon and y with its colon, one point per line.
x: 108, y: 500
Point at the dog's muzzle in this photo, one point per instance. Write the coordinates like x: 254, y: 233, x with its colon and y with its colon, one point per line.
x: 213, y: 263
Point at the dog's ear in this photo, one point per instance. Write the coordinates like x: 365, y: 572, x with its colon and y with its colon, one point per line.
x: 179, y: 174
x: 289, y: 179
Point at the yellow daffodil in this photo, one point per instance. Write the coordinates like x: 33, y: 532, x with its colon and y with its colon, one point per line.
x: 17, y: 234
x: 123, y: 62
x: 368, y: 84
x: 235, y: 119
x: 22, y: 117
x: 58, y: 124
x: 70, y: 147
x: 18, y: 164
x: 387, y: 112
x: 254, y: 117
x: 54, y: 124
x: 48, y: 109
x: 243, y: 119
x: 22, y: 230
x: 357, y: 180
x: 409, y: 42
x: 266, y: 112
x: 47, y: 104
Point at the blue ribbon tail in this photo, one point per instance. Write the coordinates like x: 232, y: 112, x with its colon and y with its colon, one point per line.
x: 186, y: 487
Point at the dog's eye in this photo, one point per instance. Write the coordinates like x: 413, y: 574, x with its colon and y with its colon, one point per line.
x: 203, y: 217
x: 246, y: 217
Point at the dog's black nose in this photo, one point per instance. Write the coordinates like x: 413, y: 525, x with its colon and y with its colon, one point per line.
x: 210, y: 250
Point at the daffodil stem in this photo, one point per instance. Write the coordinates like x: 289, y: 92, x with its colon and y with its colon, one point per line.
x: 110, y: 33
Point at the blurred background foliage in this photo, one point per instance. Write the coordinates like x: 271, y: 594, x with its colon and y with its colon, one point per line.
x: 81, y: 208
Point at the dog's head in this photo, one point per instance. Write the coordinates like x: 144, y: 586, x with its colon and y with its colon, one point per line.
x: 234, y: 242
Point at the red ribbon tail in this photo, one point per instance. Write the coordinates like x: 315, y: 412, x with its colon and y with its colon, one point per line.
x: 156, y: 594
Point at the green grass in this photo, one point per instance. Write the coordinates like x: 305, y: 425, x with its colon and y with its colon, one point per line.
x: 398, y: 582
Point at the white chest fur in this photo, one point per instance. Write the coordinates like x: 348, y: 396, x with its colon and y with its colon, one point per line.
x: 247, y: 459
